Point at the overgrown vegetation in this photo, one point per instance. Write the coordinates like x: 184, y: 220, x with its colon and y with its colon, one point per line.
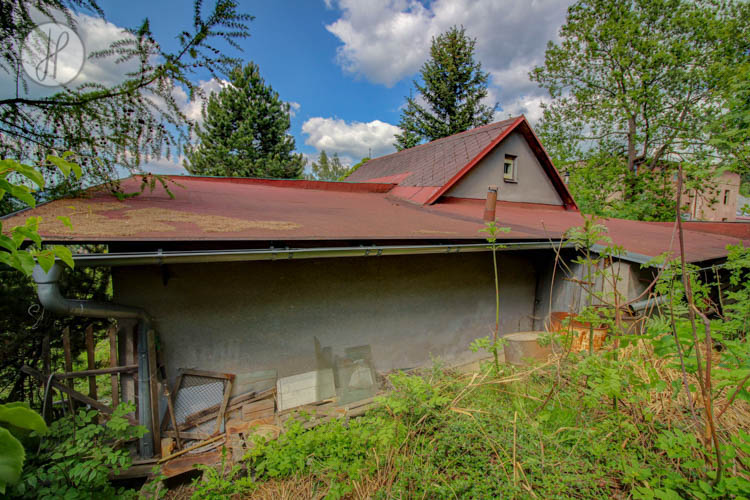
x: 78, y: 454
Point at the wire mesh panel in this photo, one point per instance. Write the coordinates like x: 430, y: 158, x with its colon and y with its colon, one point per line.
x: 195, y: 394
x: 198, y: 399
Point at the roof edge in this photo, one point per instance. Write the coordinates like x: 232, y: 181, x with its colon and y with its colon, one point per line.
x: 536, y: 147
x: 342, y: 186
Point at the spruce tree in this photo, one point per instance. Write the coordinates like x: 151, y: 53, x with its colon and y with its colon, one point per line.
x: 453, y: 89
x: 245, y: 132
x: 328, y: 169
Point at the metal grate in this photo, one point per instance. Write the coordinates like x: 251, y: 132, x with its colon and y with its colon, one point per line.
x: 196, y: 392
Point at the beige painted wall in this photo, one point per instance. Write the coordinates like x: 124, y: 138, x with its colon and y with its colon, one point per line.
x: 710, y: 205
x: 243, y: 317
x: 568, y: 296
x: 532, y: 186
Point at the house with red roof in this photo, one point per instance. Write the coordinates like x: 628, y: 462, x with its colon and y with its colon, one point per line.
x: 387, y: 269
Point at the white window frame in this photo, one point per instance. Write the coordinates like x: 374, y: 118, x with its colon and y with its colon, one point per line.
x: 510, y: 160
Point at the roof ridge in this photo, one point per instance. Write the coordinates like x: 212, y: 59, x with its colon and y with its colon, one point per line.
x: 460, y: 134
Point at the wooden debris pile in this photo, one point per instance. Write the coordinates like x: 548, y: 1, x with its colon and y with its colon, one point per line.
x: 197, y: 437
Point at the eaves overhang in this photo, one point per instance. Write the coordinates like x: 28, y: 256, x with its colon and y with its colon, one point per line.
x: 209, y: 256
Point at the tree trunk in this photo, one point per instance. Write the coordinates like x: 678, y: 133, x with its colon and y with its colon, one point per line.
x: 630, y: 180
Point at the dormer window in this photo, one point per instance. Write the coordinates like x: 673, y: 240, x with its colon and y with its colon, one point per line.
x: 509, y: 169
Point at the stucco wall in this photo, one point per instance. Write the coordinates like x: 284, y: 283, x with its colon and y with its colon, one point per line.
x: 569, y: 296
x: 710, y: 204
x: 532, y: 186
x: 243, y: 317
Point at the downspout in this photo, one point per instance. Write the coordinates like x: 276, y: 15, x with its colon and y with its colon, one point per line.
x: 48, y: 290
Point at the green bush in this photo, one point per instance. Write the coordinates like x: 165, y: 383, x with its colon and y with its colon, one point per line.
x: 335, y: 450
x: 77, y: 455
x: 223, y: 482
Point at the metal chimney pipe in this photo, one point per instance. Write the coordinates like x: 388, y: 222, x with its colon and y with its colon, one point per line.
x: 489, y: 206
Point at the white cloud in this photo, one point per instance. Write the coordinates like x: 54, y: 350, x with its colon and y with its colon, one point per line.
x: 352, y: 140
x: 531, y: 106
x: 166, y: 166
x: 293, y: 108
x: 385, y: 41
x: 192, y: 109
x: 95, y: 34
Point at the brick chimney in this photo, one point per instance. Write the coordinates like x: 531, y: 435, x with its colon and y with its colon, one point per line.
x: 489, y: 206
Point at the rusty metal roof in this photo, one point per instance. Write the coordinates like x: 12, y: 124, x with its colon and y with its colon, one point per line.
x: 424, y: 173
x: 256, y: 210
x: 433, y: 163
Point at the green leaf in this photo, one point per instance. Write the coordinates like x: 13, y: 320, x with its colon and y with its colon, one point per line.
x: 64, y: 254
x: 22, y: 417
x: 22, y: 233
x: 7, y: 243
x: 12, y: 456
x: 26, y: 262
x: 66, y: 221
x: 63, y: 165
x: 45, y: 259
x: 31, y: 173
x: 21, y: 192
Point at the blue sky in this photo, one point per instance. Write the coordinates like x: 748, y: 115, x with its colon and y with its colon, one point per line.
x: 346, y: 65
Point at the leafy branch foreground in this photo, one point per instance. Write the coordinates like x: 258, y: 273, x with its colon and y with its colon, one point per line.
x: 444, y: 434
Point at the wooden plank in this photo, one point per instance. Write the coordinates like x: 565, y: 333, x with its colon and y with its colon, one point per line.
x: 91, y: 360
x: 134, y: 472
x: 191, y: 448
x: 236, y: 426
x: 167, y: 445
x: 187, y: 463
x: 70, y: 392
x: 170, y: 413
x: 98, y: 371
x: 114, y: 379
x: 235, y: 403
x: 154, y: 390
x: 66, y: 352
x: 206, y: 373
x: 258, y: 409
x: 127, y: 356
x: 224, y: 403
x: 169, y: 416
x: 195, y: 435
x: 46, y: 356
x: 68, y: 364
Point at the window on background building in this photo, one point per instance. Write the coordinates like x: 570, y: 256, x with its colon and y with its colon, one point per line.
x: 509, y: 168
x: 726, y: 197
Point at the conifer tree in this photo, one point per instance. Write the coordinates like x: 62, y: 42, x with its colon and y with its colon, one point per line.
x: 453, y: 89
x: 111, y: 126
x: 245, y: 132
x: 328, y: 169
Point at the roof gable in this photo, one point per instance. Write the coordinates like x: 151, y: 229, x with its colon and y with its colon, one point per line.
x: 426, y: 172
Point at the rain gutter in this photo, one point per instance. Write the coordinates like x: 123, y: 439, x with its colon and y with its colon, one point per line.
x: 638, y: 258
x: 202, y: 256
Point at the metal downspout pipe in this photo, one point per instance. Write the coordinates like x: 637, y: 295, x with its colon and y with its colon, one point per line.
x: 48, y: 291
